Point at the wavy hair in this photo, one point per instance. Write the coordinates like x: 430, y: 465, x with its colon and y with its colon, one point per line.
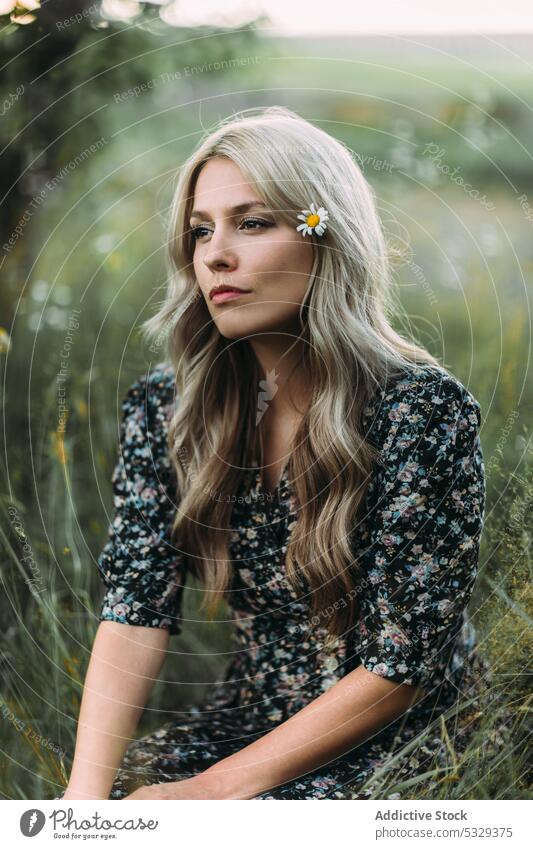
x: 349, y: 348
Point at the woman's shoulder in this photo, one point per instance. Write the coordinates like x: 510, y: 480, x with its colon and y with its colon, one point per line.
x: 147, y: 409
x: 151, y: 395
x: 424, y: 399
x: 420, y: 385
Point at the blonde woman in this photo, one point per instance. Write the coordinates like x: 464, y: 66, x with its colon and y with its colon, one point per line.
x: 312, y: 468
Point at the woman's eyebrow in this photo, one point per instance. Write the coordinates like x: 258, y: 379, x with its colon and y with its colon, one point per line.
x: 241, y: 207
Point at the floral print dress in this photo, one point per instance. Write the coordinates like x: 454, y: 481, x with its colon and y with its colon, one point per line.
x: 417, y: 545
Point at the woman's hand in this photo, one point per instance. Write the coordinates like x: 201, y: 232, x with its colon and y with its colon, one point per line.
x: 190, y: 788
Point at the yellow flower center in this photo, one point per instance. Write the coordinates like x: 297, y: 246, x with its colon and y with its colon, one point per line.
x: 312, y: 220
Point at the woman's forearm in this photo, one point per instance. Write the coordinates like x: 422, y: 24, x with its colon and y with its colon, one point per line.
x: 341, y: 718
x: 125, y: 662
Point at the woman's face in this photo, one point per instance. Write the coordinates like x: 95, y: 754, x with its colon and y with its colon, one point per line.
x: 248, y: 247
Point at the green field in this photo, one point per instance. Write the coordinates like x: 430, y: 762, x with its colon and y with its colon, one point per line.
x: 94, y: 245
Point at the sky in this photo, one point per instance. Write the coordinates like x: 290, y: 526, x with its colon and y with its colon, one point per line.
x: 325, y: 17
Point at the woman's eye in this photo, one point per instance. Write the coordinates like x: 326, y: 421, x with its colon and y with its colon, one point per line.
x: 256, y: 221
x: 197, y: 233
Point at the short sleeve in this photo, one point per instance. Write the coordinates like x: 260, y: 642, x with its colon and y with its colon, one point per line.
x: 143, y: 573
x: 421, y: 560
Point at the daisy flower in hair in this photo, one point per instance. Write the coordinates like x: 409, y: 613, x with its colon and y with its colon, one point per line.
x: 314, y: 220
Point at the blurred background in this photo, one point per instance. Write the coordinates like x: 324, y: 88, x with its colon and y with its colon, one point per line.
x: 100, y: 103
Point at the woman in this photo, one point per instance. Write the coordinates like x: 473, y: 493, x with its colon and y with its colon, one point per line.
x: 314, y: 469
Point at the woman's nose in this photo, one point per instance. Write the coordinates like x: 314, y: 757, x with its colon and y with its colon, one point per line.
x: 220, y: 254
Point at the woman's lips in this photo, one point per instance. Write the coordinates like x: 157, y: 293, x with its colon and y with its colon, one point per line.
x: 220, y: 297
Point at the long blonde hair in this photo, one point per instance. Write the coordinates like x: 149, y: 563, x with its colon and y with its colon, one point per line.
x: 349, y: 347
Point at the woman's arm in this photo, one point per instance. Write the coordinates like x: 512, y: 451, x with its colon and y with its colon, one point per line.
x: 344, y: 716
x: 347, y: 714
x: 125, y: 661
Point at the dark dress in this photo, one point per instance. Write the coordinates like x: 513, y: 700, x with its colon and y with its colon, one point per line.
x: 418, y: 546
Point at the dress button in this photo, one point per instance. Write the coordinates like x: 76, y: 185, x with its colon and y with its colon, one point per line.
x: 327, y: 661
